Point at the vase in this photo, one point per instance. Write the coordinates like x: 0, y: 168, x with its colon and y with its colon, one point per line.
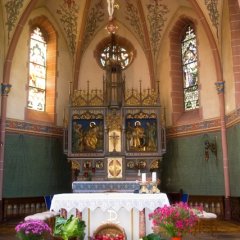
x: 176, y: 238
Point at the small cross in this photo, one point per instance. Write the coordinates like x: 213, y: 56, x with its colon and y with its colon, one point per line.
x: 114, y: 137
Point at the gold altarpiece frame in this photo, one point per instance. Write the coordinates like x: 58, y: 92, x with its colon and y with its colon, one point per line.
x: 112, y: 140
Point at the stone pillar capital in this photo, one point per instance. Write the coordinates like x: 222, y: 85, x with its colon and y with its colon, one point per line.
x: 220, y: 87
x: 5, y: 88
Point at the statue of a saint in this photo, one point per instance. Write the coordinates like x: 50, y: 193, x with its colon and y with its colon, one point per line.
x: 77, y: 137
x: 138, y: 136
x: 91, y: 137
x: 151, y: 136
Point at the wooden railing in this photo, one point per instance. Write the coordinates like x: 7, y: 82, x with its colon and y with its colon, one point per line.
x: 235, y: 208
x: 214, y: 204
x: 21, y: 207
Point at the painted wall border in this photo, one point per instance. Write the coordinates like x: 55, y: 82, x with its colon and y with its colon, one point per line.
x: 211, y: 125
x: 17, y: 126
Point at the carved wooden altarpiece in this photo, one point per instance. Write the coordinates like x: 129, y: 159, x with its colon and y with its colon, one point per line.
x: 114, y: 133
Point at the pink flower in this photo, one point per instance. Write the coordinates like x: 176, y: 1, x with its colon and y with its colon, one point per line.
x: 32, y: 229
x: 176, y: 219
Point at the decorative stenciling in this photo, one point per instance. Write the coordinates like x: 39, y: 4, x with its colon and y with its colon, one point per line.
x: 204, y: 126
x: 212, y: 7
x: 31, y: 128
x: 68, y: 12
x: 156, y: 18
x: 132, y: 16
x: 95, y: 17
x: 12, y: 9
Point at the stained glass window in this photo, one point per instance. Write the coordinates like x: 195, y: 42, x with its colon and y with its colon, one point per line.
x: 190, y: 70
x: 115, y: 53
x: 37, y: 71
x: 116, y: 50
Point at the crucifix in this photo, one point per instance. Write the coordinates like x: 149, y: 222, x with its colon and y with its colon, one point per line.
x: 111, y: 7
x: 114, y: 138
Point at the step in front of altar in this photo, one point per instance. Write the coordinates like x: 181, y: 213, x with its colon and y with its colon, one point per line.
x: 105, y: 186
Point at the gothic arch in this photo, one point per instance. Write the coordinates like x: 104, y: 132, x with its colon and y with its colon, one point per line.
x: 177, y: 75
x: 51, y: 38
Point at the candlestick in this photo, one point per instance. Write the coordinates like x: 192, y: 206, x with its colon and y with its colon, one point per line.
x: 154, y: 176
x: 154, y: 188
x: 143, y: 177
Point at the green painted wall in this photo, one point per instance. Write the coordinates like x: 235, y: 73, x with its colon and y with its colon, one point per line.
x: 35, y: 166
x: 185, y: 167
x: 234, y: 159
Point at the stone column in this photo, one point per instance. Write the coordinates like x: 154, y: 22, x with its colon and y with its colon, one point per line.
x: 5, y: 89
x: 220, y: 90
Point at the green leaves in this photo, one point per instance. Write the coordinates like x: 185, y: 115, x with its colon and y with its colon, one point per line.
x: 71, y: 227
x: 152, y: 236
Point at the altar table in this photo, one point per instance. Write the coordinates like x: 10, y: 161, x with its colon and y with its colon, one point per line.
x: 124, y: 209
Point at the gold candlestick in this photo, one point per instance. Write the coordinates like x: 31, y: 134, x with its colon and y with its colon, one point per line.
x: 154, y: 188
x: 143, y: 188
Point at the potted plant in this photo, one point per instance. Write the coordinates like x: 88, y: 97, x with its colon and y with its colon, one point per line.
x: 68, y: 228
x: 177, y: 220
x: 32, y: 230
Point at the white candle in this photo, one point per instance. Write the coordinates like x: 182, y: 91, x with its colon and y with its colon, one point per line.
x: 139, y: 172
x: 143, y: 177
x: 154, y: 176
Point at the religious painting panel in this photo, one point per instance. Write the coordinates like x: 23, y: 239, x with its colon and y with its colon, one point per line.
x: 141, y: 132
x: 87, y: 131
x: 115, y: 168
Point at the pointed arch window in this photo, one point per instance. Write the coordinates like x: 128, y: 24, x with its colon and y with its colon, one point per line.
x: 190, y: 69
x: 37, y: 71
x: 42, y: 72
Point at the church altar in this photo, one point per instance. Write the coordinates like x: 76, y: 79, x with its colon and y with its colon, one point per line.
x: 104, y: 186
x: 128, y: 210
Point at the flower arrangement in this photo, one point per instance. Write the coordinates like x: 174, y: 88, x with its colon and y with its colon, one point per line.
x: 109, y: 237
x: 32, y: 230
x: 177, y: 220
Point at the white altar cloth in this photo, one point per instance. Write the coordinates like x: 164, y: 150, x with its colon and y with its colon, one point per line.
x: 106, y: 201
x: 99, y: 208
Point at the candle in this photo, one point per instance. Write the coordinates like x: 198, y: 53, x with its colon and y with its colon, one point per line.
x: 139, y: 172
x: 154, y: 176
x: 143, y: 177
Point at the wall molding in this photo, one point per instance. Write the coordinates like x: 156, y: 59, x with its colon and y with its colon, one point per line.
x: 18, y: 126
x: 211, y: 125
